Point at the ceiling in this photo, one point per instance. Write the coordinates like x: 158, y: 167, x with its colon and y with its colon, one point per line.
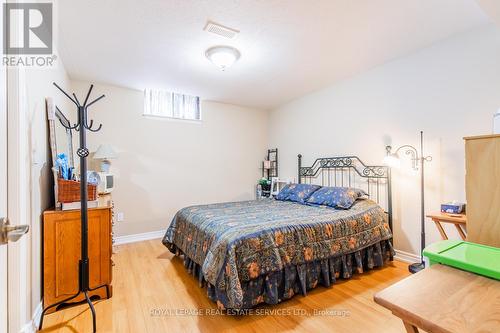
x: 288, y: 48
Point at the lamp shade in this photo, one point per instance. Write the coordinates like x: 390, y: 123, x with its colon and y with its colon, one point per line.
x: 392, y: 160
x: 105, y: 151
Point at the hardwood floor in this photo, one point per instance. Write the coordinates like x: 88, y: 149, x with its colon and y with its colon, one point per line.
x: 150, y: 284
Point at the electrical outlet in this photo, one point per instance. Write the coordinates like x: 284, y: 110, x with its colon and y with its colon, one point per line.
x: 120, y: 216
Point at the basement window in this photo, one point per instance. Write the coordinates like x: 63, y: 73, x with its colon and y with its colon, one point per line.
x: 160, y: 103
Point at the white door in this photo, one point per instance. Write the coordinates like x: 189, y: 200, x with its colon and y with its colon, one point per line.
x: 3, y: 197
x: 14, y: 182
x: 3, y: 188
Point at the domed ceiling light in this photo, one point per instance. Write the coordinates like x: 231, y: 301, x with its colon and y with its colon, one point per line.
x: 223, y: 56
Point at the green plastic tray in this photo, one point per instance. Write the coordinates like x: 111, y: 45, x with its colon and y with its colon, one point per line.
x: 476, y: 258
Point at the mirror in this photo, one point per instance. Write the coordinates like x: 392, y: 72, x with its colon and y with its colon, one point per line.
x: 64, y: 137
x: 61, y: 139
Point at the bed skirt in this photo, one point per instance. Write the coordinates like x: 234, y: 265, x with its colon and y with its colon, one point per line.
x: 275, y: 287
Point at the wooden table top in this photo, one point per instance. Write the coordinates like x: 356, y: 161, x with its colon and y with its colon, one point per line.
x: 445, y: 299
x: 59, y: 211
x: 479, y: 137
x: 442, y: 217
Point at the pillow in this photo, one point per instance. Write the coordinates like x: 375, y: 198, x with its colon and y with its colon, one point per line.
x: 336, y: 197
x: 297, y: 192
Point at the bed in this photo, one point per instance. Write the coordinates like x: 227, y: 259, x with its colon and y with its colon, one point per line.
x: 266, y: 251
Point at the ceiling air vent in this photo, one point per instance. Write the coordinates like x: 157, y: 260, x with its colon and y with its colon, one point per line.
x: 221, y: 30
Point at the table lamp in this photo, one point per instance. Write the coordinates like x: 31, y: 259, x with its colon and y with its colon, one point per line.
x: 392, y: 159
x: 105, y: 152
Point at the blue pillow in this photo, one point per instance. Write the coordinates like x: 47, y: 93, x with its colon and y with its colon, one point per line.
x: 297, y: 192
x: 336, y: 197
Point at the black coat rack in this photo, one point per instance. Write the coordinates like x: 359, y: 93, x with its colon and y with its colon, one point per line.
x: 83, y: 267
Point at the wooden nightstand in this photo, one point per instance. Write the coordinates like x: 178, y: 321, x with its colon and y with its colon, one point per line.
x: 458, y: 221
x: 61, y: 253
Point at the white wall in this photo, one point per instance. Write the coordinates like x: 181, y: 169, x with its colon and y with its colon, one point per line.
x: 449, y: 90
x: 164, y: 165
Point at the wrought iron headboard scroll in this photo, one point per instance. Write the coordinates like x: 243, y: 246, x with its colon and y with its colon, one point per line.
x: 350, y: 171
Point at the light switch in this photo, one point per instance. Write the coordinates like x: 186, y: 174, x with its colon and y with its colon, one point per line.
x: 120, y: 216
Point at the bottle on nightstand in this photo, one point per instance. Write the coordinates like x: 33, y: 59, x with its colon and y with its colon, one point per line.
x: 258, y: 192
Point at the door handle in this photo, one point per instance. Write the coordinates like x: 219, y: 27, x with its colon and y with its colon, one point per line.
x: 11, y: 233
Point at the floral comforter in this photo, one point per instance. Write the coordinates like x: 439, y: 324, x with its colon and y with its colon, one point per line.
x: 240, y: 241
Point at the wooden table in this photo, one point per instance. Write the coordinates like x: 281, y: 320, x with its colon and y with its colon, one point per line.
x: 458, y: 221
x: 444, y: 299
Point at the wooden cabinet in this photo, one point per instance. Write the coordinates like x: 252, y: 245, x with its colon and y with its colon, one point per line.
x: 482, y: 154
x: 61, y: 253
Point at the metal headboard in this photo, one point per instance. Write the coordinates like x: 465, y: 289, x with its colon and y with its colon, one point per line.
x: 350, y: 171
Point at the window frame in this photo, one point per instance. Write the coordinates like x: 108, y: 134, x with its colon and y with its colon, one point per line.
x: 168, y: 117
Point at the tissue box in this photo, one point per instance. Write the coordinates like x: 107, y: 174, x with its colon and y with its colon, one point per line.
x: 453, y: 208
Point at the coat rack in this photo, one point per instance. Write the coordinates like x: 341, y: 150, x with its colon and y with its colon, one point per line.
x: 83, y: 267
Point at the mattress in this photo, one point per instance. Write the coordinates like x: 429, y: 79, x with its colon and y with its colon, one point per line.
x: 232, y: 244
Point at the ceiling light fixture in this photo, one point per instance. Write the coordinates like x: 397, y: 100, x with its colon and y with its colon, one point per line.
x: 222, y: 56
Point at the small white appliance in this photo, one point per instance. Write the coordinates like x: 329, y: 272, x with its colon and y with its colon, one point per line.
x: 106, y: 182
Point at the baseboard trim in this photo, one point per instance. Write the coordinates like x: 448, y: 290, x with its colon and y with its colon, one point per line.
x: 139, y: 237
x: 32, y: 325
x: 406, y: 257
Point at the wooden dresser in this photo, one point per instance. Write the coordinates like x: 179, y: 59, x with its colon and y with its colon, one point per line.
x: 482, y: 155
x: 61, y: 253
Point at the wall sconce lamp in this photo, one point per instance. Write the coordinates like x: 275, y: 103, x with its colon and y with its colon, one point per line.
x: 392, y: 159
